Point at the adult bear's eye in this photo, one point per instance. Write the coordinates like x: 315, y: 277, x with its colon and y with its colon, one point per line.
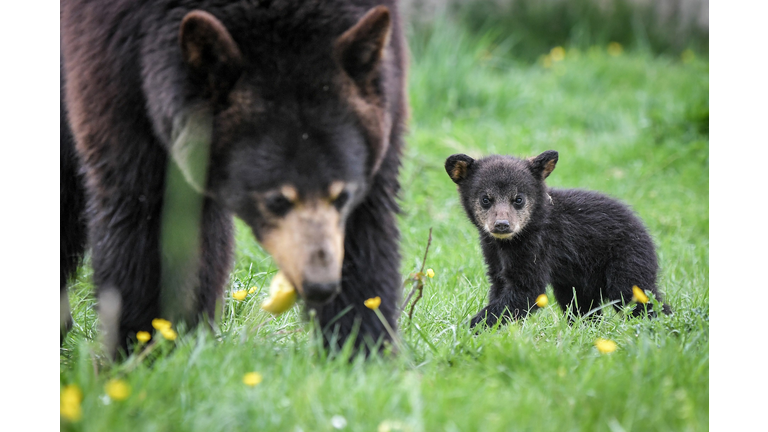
x: 341, y: 200
x: 486, y: 202
x: 278, y: 205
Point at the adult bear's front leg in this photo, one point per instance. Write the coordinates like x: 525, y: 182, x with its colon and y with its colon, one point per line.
x: 126, y: 232
x: 124, y: 229
x: 511, y: 298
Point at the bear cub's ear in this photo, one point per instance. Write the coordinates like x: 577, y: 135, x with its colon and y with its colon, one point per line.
x: 543, y: 165
x: 210, y: 53
x: 457, y: 166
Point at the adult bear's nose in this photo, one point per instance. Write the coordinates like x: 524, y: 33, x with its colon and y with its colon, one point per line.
x: 321, y: 293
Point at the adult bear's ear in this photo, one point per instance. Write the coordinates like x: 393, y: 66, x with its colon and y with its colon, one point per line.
x: 211, y: 54
x: 359, y: 49
x: 457, y: 166
x: 542, y: 165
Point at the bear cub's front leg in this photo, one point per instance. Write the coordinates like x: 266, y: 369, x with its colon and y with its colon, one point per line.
x: 512, y: 294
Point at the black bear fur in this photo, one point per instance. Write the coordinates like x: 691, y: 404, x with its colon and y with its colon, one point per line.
x: 581, y: 242
x: 307, y: 105
x: 71, y: 216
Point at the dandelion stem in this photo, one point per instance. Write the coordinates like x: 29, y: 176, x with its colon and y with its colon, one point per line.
x: 389, y: 329
x: 417, y: 279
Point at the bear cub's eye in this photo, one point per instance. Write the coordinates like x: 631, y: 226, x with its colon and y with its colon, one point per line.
x: 485, y: 201
x: 519, y: 200
x: 278, y: 204
x: 341, y: 200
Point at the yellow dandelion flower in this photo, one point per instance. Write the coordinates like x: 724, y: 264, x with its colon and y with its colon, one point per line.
x: 282, y: 295
x: 638, y: 295
x: 169, y: 334
x: 430, y: 273
x: 239, y: 295
x: 615, y: 49
x: 557, y: 54
x: 71, y: 396
x: 605, y: 346
x: 252, y: 290
x: 117, y: 389
x: 159, y: 324
x: 143, y: 336
x: 542, y: 300
x: 252, y: 378
x: 71, y: 412
x: 373, y: 303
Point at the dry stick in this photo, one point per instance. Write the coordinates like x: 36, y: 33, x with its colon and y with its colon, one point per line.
x: 417, y: 279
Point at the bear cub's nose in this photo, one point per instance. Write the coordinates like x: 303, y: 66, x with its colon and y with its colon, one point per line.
x: 501, y: 226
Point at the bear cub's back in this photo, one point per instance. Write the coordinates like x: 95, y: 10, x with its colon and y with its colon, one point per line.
x: 594, y: 231
x: 577, y: 213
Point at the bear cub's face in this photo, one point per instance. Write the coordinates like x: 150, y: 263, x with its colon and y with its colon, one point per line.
x: 500, y: 193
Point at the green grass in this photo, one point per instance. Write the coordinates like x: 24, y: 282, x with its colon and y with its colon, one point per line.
x: 633, y: 126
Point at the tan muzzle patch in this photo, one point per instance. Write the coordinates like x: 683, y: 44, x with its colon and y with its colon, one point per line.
x: 307, y: 244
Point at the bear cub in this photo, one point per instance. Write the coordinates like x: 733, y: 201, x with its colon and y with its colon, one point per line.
x: 589, y: 247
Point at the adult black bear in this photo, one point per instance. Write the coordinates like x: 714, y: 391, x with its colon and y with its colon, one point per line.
x: 581, y: 242
x: 287, y: 113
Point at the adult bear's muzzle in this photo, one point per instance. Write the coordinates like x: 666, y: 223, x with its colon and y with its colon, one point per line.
x: 307, y: 243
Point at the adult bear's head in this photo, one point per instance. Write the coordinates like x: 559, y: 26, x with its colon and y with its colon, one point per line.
x: 293, y: 111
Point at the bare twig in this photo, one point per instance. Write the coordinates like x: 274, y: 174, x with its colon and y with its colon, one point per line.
x: 417, y: 279
x: 416, y: 300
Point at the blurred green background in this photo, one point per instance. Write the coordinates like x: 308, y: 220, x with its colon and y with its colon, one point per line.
x: 528, y: 28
